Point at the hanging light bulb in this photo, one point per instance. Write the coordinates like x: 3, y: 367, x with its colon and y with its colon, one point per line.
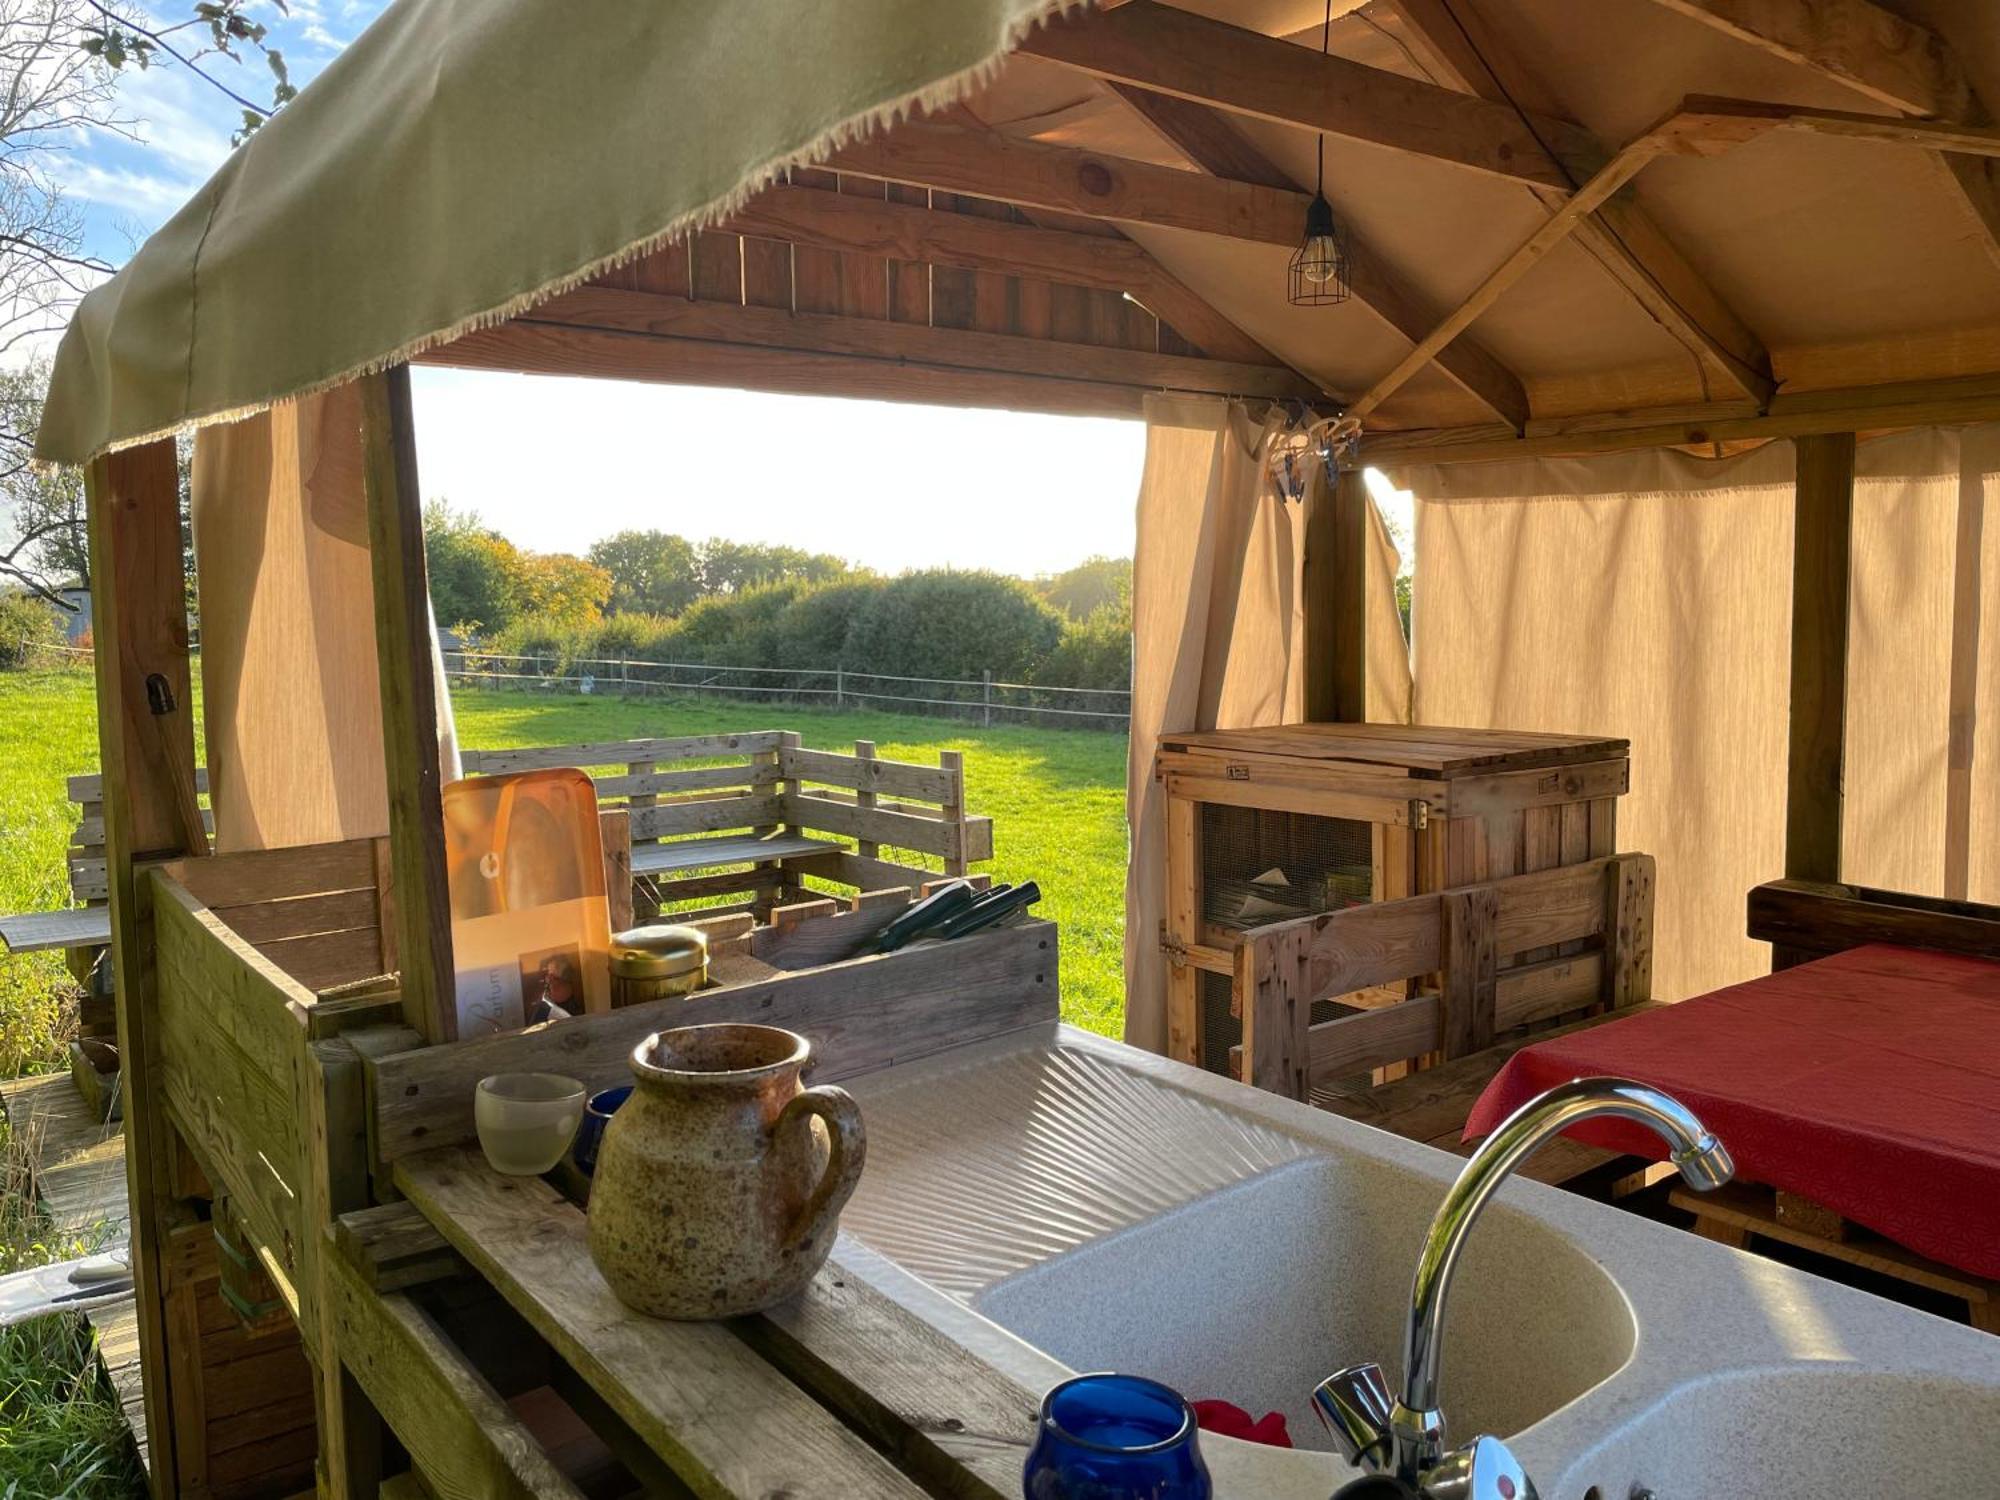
x: 1319, y: 267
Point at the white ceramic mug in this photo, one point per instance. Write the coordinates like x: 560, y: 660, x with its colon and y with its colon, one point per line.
x: 526, y: 1120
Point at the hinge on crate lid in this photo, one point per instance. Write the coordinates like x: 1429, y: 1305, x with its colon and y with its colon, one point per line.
x: 1420, y: 813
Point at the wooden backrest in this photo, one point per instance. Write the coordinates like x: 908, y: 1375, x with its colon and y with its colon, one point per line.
x: 766, y: 778
x: 1474, y: 962
x: 88, y: 880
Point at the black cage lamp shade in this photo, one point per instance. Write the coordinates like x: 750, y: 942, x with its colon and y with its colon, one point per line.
x: 1320, y: 269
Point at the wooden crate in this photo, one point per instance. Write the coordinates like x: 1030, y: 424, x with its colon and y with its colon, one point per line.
x: 1415, y: 809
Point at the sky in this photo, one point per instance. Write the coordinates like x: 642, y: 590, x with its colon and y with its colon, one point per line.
x: 555, y: 464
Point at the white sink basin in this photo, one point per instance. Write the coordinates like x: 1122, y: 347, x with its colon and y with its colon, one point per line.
x: 1256, y: 1293
x: 1802, y: 1434
x: 1058, y: 1203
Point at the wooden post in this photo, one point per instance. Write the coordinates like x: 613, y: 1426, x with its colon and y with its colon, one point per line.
x: 1822, y: 534
x: 145, y: 733
x: 864, y: 750
x: 986, y: 699
x: 1334, y: 584
x: 409, y: 703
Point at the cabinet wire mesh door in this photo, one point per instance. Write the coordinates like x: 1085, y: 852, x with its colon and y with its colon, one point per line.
x: 1259, y: 866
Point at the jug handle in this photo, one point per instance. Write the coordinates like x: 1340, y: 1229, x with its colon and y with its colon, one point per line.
x: 836, y: 1107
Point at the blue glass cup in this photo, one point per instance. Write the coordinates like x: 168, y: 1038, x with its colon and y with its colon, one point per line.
x: 597, y: 1113
x: 1115, y: 1437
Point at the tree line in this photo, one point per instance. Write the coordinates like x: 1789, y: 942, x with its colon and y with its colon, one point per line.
x: 648, y: 595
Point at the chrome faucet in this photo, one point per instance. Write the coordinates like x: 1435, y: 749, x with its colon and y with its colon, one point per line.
x: 1404, y: 1437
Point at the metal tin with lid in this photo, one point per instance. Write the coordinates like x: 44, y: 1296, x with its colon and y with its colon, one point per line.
x: 657, y: 963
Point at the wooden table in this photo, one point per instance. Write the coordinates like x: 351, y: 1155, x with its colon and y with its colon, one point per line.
x: 840, y: 1393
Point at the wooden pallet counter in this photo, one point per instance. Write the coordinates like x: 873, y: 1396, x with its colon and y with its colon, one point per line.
x: 294, y: 1096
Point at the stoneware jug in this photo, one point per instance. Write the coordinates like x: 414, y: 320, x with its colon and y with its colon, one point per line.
x: 715, y: 1194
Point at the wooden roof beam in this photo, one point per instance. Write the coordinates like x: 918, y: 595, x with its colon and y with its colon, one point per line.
x: 1207, y: 139
x: 1461, y: 47
x: 619, y: 334
x: 1874, y: 51
x: 1879, y: 408
x: 1171, y: 51
x: 908, y: 232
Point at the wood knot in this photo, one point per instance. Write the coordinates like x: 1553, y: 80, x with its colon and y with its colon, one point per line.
x: 1094, y: 178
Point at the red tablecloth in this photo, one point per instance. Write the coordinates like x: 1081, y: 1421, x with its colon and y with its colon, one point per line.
x: 1869, y: 1082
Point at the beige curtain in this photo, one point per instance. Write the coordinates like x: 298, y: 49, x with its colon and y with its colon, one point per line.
x: 1218, y: 627
x: 1649, y: 595
x: 291, y: 706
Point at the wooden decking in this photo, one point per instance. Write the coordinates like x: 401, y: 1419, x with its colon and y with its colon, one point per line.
x: 81, y: 1182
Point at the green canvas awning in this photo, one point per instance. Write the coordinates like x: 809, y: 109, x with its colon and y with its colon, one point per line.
x: 464, y: 159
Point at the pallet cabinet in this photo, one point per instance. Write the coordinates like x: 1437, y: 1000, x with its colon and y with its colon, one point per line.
x: 1271, y: 825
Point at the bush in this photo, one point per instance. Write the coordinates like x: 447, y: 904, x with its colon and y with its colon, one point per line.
x: 29, y: 632
x: 1093, y: 653
x: 735, y: 630
x: 817, y: 630
x: 947, y: 624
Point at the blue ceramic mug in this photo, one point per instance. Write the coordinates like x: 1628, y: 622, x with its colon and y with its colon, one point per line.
x: 597, y: 1114
x: 1115, y: 1437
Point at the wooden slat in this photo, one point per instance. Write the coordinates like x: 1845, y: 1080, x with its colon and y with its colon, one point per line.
x: 950, y: 1420
x: 972, y: 839
x: 859, y: 1016
x: 1628, y: 932
x: 894, y: 778
x: 459, y: 1431
x: 1277, y: 1014
x: 1552, y: 906
x: 620, y: 752
x: 724, y: 1421
x: 1547, y: 987
x: 41, y: 932
x: 1173, y: 51
x: 1821, y: 540
x: 869, y: 338
x: 651, y: 784
x: 1482, y: 796
x: 1468, y: 969
x: 1372, y: 1039
x: 706, y: 815
x: 707, y: 853
x: 404, y: 655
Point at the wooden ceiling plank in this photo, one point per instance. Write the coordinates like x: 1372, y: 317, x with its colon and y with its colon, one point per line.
x: 970, y: 242
x: 1563, y: 222
x: 1172, y: 51
x: 1463, y: 49
x: 1207, y: 139
x: 1894, y: 61
x: 1879, y: 408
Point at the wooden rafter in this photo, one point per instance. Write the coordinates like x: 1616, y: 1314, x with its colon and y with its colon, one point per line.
x: 1207, y: 139
x: 1172, y: 51
x: 911, y: 233
x: 1459, y: 47
x: 1879, y: 54
x: 1563, y: 222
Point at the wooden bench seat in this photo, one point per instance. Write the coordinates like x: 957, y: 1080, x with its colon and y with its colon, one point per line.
x: 724, y: 849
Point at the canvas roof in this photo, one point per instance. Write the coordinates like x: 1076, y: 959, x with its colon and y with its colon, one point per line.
x: 462, y: 160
